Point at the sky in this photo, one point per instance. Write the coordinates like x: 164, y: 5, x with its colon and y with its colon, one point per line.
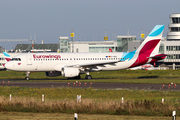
x: 89, y: 19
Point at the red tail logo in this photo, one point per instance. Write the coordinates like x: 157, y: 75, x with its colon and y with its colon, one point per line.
x: 110, y: 50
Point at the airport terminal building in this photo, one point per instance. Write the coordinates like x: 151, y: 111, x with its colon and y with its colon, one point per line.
x: 171, y: 46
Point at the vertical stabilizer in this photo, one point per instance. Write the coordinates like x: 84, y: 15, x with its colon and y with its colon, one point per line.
x: 152, y: 40
x: 149, y: 46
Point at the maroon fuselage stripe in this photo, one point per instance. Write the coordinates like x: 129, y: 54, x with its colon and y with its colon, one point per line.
x: 145, y: 53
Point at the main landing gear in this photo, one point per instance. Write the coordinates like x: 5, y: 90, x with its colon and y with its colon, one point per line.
x: 88, y: 76
x: 27, y: 75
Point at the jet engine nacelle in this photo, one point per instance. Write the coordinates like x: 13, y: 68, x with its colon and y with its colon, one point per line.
x: 53, y: 74
x: 70, y: 72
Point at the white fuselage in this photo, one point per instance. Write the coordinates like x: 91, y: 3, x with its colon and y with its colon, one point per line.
x: 56, y: 61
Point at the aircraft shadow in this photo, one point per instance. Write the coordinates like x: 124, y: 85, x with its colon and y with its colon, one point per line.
x: 144, y: 77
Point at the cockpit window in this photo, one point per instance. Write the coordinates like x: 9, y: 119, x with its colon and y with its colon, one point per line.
x: 16, y: 59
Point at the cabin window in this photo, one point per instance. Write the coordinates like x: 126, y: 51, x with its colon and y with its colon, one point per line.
x: 2, y: 58
x: 16, y: 59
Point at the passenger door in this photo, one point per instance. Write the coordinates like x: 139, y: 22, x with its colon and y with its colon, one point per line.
x: 29, y: 60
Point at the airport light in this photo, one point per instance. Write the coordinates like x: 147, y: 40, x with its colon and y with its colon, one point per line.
x: 105, y: 37
x: 72, y: 39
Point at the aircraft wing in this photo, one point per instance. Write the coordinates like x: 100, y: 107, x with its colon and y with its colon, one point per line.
x: 87, y: 66
x: 92, y: 65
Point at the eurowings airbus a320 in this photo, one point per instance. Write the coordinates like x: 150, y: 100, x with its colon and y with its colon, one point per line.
x: 74, y: 64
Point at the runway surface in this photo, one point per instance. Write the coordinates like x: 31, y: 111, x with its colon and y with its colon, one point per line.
x: 93, y: 85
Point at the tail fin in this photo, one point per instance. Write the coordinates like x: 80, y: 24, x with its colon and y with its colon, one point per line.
x: 152, y: 41
x: 149, y: 46
x: 8, y: 57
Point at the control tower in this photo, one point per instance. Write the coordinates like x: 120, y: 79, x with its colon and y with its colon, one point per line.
x: 174, y: 27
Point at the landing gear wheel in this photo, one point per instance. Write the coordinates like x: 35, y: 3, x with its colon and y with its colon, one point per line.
x: 27, y: 75
x: 88, y: 77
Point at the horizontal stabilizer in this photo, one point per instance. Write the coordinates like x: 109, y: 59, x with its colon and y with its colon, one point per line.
x: 158, y: 56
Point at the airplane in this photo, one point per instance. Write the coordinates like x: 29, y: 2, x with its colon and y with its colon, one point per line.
x: 3, y: 60
x: 71, y: 65
x: 7, y: 56
x: 110, y: 50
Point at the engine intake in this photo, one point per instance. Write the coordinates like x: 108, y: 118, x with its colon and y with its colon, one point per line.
x: 70, y: 72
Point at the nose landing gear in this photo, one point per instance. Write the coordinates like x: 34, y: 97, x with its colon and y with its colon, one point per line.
x: 27, y: 75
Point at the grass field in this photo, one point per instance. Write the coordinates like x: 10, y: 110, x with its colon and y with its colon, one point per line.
x: 103, y: 102
x: 63, y: 100
x: 121, y: 76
